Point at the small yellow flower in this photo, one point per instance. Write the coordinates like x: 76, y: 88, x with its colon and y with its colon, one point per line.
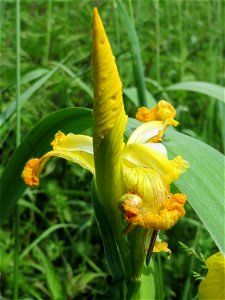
x: 213, y: 286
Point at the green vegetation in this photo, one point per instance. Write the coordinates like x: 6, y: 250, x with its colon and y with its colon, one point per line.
x: 164, y: 50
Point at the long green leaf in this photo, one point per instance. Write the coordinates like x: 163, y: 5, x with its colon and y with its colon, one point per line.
x: 136, y: 53
x: 80, y: 83
x: 35, y: 144
x: 205, y: 88
x: 203, y: 183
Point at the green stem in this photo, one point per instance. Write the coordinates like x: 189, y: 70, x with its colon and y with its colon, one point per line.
x: 131, y: 11
x: 2, y: 10
x: 49, y: 27
x: 158, y: 75
x: 180, y: 38
x: 18, y: 138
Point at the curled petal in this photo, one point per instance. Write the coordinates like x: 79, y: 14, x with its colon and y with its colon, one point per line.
x: 163, y: 111
x: 30, y: 172
x: 161, y: 246
x: 64, y: 147
x: 146, y: 132
x: 171, y: 210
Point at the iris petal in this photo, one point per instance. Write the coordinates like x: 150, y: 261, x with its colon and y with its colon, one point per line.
x: 75, y: 148
x: 145, y: 132
x: 143, y: 156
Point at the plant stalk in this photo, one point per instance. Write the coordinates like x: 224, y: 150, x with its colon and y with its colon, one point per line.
x: 18, y: 138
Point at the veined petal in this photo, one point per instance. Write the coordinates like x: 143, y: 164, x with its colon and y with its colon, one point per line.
x: 166, y: 217
x: 143, y: 156
x: 145, y: 132
x: 146, y: 184
x: 108, y: 103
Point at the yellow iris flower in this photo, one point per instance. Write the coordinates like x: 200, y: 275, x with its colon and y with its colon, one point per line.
x: 212, y: 287
x: 135, y: 176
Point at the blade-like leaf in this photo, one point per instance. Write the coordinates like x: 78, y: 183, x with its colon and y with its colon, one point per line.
x: 205, y: 88
x: 136, y: 54
x: 33, y: 75
x: 203, y: 183
x: 25, y: 96
x: 35, y: 144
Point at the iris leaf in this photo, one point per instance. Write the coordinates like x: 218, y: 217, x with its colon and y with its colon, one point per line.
x: 205, y: 88
x: 203, y: 183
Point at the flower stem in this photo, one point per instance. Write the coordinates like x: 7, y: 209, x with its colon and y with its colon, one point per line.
x: 151, y: 246
x: 18, y: 138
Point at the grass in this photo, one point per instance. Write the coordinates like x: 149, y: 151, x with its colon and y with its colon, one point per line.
x: 59, y: 240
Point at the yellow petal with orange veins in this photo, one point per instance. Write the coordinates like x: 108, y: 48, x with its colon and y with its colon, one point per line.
x: 108, y: 103
x: 161, y: 246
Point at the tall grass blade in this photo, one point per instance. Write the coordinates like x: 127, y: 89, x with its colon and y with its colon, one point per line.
x: 26, y: 96
x: 136, y: 54
x: 18, y: 138
x: 79, y: 82
x: 48, y: 29
x: 45, y: 235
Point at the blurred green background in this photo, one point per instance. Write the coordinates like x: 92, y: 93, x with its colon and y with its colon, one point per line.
x: 179, y: 41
